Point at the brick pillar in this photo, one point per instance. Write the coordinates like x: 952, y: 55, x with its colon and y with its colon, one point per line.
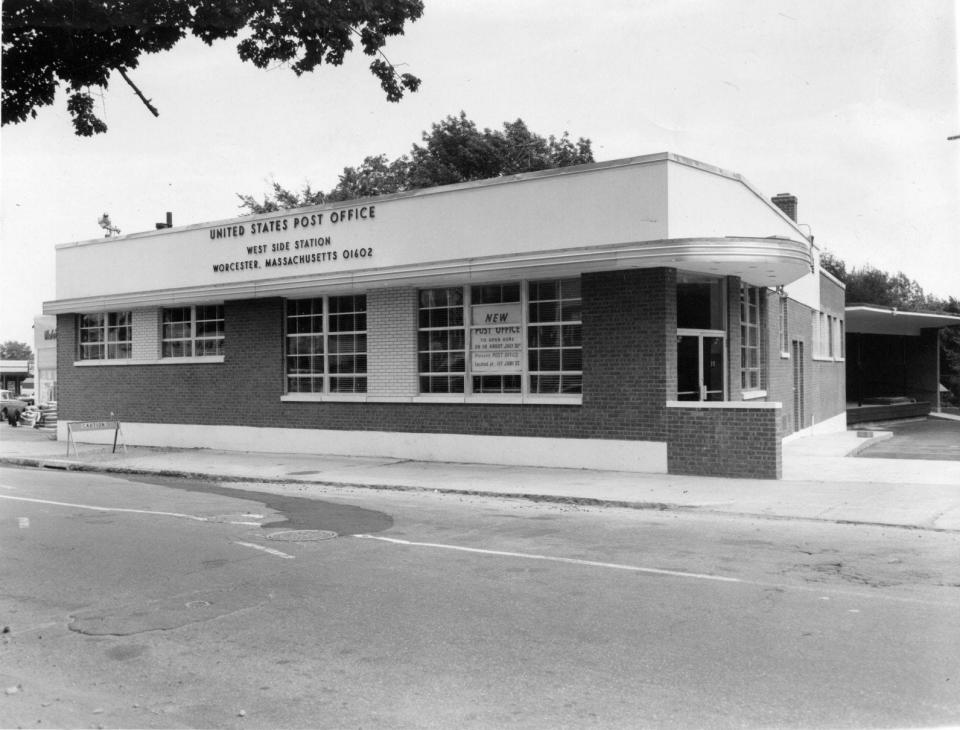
x: 146, y: 334
x: 392, y: 342
x: 734, y: 390
x: 253, y: 366
x: 629, y: 351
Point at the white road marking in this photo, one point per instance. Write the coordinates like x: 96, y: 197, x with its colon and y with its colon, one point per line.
x: 839, y: 592
x: 23, y: 522
x: 97, y: 508
x: 549, y: 558
x: 264, y: 549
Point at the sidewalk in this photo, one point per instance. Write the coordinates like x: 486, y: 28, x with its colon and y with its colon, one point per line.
x: 820, y: 481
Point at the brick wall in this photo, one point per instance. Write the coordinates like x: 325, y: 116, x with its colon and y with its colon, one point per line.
x: 780, y: 372
x: 730, y: 442
x: 824, y: 381
x: 629, y: 333
x: 629, y: 352
x: 829, y: 376
x: 629, y: 373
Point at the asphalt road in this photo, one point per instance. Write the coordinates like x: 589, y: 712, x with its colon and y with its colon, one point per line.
x: 159, y: 603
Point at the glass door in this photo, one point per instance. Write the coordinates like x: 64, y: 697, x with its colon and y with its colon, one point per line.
x: 700, y: 366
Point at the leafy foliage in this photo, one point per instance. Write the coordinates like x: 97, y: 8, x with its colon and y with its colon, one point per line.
x: 453, y: 151
x: 79, y: 43
x: 13, y: 350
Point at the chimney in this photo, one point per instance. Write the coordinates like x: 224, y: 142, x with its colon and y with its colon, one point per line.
x: 787, y: 203
x: 168, y: 224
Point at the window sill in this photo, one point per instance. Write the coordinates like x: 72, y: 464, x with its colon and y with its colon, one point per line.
x: 753, y: 394
x: 784, y: 355
x: 118, y: 361
x: 559, y: 400
x: 162, y: 361
x: 189, y: 360
x: 827, y: 358
x: 721, y: 404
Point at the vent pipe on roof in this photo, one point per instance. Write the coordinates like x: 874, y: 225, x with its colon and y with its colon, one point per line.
x: 787, y: 203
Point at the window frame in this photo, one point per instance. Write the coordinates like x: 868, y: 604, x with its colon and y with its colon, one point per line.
x: 466, y: 327
x: 751, y: 304
x: 784, y: 317
x: 327, y: 354
x: 109, y: 345
x: 193, y: 338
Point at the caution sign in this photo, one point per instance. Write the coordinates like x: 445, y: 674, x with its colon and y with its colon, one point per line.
x: 75, y: 426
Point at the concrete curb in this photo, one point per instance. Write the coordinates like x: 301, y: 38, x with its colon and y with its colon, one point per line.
x: 65, y: 465
x: 868, y: 441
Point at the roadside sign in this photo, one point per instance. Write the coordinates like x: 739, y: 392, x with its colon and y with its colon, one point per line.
x: 113, y: 425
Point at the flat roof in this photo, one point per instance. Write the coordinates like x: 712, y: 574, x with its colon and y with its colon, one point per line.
x: 878, y: 320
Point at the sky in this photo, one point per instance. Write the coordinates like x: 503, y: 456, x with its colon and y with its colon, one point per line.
x: 847, y: 105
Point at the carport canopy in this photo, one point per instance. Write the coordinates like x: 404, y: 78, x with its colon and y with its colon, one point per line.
x: 876, y: 320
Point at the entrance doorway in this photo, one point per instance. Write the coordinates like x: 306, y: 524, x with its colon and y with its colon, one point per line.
x: 700, y: 365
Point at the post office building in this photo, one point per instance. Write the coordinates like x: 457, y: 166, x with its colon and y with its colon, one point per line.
x: 653, y: 314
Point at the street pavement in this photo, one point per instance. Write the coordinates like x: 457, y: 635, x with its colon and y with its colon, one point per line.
x: 821, y: 478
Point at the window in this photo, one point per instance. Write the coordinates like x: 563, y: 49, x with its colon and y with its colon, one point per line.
x: 501, y: 339
x: 441, y: 341
x: 305, y: 346
x: 106, y: 336
x: 555, y: 337
x: 750, y: 374
x: 327, y: 347
x: 195, y: 331
x: 784, y: 328
x: 347, y: 344
x: 828, y: 337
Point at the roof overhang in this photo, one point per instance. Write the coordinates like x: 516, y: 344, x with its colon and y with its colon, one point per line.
x: 877, y: 320
x: 758, y: 261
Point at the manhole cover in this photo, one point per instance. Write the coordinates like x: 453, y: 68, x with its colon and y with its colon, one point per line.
x: 301, y: 535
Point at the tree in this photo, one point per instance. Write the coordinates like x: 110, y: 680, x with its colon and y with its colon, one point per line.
x: 453, y: 151
x: 80, y: 43
x: 12, y: 350
x: 833, y: 265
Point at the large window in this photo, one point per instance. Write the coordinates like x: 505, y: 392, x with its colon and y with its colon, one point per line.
x: 555, y: 337
x: 441, y: 341
x: 347, y: 345
x: 327, y: 345
x: 106, y: 336
x: 501, y: 339
x: 750, y: 372
x: 195, y: 331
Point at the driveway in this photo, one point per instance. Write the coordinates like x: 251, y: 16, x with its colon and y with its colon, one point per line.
x: 930, y: 438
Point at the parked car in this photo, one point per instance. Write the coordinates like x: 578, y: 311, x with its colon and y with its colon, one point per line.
x: 11, y: 407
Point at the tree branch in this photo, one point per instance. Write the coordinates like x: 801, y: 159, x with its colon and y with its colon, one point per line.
x: 145, y: 100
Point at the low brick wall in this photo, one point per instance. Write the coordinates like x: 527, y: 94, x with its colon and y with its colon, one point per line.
x: 726, y: 441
